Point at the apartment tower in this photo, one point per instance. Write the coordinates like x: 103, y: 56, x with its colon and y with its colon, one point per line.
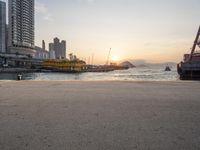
x: 21, y: 27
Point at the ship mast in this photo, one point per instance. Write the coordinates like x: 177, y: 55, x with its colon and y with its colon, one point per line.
x: 196, y: 42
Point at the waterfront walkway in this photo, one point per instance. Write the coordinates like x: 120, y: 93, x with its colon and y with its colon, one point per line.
x: 99, y: 115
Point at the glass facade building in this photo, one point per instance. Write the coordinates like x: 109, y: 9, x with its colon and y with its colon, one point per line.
x: 2, y: 27
x: 21, y: 26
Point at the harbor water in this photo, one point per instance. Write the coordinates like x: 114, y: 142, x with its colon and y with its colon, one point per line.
x: 154, y: 73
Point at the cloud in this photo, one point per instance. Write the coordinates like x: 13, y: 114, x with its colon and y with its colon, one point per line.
x: 48, y: 17
x: 86, y: 1
x: 41, y: 8
x: 147, y: 44
x: 90, y: 1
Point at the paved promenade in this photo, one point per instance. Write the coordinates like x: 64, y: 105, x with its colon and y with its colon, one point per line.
x: 99, y: 115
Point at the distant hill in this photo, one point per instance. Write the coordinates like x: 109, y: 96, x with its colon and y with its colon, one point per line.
x: 127, y: 64
x: 143, y: 63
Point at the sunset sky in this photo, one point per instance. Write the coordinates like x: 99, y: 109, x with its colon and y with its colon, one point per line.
x: 152, y: 30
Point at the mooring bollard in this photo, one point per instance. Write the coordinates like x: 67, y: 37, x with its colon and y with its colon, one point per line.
x: 19, y: 77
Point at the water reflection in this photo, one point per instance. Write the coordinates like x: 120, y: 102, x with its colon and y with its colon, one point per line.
x: 137, y: 74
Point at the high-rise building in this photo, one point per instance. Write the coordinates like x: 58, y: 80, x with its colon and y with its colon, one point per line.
x: 6, y: 37
x: 63, y: 49
x: 59, y: 48
x: 21, y: 27
x: 51, y: 46
x: 41, y: 53
x: 52, y: 54
x: 43, y: 45
x: 2, y: 27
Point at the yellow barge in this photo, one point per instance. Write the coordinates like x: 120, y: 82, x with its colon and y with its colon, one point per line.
x: 64, y: 65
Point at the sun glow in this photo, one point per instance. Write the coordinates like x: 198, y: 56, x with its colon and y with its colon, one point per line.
x: 115, y: 58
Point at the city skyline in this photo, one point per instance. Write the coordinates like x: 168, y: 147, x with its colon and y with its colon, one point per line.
x: 155, y: 31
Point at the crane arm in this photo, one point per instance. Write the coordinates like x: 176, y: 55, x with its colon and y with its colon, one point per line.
x: 196, y: 42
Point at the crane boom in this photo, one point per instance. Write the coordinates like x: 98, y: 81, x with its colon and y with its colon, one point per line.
x: 195, y: 44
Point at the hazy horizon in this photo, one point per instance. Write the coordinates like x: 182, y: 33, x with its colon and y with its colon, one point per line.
x: 155, y: 31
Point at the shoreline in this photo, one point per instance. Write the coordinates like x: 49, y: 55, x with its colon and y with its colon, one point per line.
x: 108, y: 81
x: 18, y: 70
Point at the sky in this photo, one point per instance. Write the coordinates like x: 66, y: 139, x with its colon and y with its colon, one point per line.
x: 151, y: 30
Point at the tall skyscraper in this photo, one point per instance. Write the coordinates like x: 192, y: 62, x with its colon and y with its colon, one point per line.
x: 51, y: 46
x: 52, y: 54
x: 63, y: 49
x: 2, y: 27
x: 43, y: 45
x: 59, y: 48
x: 21, y: 27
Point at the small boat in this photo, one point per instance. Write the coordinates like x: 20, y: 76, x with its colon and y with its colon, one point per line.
x: 168, y: 68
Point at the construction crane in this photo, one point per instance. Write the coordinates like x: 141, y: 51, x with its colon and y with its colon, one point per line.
x: 189, y: 68
x: 196, y: 43
x: 108, y: 59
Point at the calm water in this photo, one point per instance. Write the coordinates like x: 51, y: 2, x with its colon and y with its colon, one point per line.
x: 136, y: 74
